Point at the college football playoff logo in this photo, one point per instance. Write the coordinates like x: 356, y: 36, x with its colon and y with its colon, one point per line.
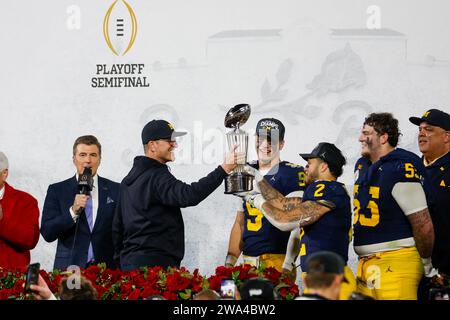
x: 120, y: 27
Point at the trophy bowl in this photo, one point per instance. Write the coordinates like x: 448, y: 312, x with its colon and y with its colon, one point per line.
x: 237, y: 116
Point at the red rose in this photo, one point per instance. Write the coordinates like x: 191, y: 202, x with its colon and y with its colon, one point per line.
x: 246, y: 272
x: 170, y: 295
x: 272, y: 274
x: 224, y: 271
x: 100, y: 291
x: 134, y: 295
x: 4, y: 294
x: 125, y: 288
x: 150, y: 291
x: 176, y: 282
x: 215, y: 282
x: 283, y: 292
x: 18, y: 287
x: 115, y: 275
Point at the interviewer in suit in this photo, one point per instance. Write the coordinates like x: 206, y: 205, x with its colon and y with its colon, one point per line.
x: 63, y: 208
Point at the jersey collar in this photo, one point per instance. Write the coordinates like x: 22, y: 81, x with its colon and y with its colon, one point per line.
x: 437, y: 161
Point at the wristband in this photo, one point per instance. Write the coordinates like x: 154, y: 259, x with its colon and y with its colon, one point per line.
x: 426, y: 261
x: 230, y: 259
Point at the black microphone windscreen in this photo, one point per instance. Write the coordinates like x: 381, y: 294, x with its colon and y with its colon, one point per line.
x: 85, y: 181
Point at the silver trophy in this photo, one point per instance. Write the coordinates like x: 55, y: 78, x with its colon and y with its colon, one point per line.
x: 238, y: 180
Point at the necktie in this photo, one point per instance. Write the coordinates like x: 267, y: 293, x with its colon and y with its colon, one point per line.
x: 88, y: 210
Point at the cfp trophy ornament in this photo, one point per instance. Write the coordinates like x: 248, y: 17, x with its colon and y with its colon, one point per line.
x: 238, y: 180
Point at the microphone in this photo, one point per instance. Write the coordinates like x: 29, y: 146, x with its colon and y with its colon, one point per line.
x: 85, y: 182
x: 85, y: 186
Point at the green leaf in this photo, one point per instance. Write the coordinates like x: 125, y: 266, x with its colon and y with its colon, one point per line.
x: 261, y: 268
x: 186, y: 295
x: 290, y: 296
x: 235, y: 275
x: 102, y: 266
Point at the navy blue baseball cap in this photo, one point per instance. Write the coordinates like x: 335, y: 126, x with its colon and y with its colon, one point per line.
x: 435, y: 117
x: 270, y: 127
x: 328, y: 152
x: 159, y: 129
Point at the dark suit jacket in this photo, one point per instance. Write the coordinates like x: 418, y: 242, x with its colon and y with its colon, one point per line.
x: 57, y: 224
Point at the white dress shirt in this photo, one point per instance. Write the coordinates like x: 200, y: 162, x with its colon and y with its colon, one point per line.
x: 94, y: 195
x: 2, y: 192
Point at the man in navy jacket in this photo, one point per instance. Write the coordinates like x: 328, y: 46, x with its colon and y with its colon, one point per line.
x: 148, y: 229
x: 434, y: 143
x: 82, y: 224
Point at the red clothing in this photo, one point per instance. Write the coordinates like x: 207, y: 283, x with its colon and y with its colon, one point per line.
x: 19, y: 228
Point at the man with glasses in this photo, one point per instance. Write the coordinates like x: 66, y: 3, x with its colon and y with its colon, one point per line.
x: 148, y: 228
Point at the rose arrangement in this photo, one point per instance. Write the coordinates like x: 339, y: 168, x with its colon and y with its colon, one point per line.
x: 171, y: 283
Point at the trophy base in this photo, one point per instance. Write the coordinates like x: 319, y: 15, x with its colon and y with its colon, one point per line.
x: 238, y: 182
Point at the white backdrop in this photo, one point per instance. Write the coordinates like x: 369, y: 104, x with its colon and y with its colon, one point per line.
x: 312, y: 64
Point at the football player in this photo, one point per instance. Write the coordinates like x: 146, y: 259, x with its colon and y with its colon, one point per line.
x: 393, y: 232
x: 252, y: 235
x: 324, y: 214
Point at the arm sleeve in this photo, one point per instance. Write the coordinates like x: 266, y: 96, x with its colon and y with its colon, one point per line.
x: 173, y: 192
x: 21, y: 229
x: 292, y: 249
x: 55, y: 220
x: 410, y: 197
